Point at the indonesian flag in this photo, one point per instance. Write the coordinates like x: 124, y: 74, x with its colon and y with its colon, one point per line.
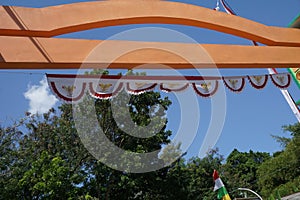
x: 222, y: 192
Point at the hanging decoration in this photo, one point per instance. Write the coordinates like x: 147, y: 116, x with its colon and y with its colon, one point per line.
x: 258, y: 82
x: 206, y: 88
x: 138, y: 87
x: 71, y: 88
x: 235, y: 84
x: 173, y: 87
x: 280, y: 81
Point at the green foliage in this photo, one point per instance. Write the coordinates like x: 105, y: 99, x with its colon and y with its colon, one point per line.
x: 46, y: 159
x: 283, y: 141
x: 170, y: 152
x: 294, y: 129
x: 271, y: 197
x: 10, y: 171
x: 288, y: 188
x: 47, y: 178
x: 241, y: 168
x: 87, y: 197
x: 283, y: 169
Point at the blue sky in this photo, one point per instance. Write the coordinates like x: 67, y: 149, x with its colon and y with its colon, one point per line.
x: 251, y: 116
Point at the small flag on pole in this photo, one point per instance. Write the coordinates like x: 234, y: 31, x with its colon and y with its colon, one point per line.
x: 222, y: 192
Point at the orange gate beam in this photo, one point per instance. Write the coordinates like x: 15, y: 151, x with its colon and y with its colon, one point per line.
x: 55, y: 53
x: 26, y: 43
x: 63, y: 19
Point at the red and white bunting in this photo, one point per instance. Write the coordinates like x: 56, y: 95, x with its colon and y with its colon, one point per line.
x: 71, y: 88
x: 104, y: 89
x: 138, y: 87
x: 281, y: 80
x: 66, y: 88
x: 235, y: 84
x: 206, y: 88
x: 258, y: 82
x: 173, y: 87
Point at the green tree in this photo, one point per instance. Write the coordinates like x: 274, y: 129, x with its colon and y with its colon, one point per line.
x: 45, y: 141
x: 241, y: 168
x: 282, y: 169
x: 48, y: 178
x: 10, y: 172
x: 49, y: 161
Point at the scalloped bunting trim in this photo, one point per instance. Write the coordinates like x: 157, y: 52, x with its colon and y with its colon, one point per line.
x: 258, y: 82
x: 173, y: 87
x: 206, y: 88
x: 67, y: 90
x: 104, y: 89
x: 235, y: 84
x: 281, y: 80
x: 139, y: 87
x: 71, y: 88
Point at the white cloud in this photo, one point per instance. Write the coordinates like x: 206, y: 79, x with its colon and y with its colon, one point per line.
x: 40, y: 98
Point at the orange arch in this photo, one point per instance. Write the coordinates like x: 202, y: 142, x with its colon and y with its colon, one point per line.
x: 62, y: 19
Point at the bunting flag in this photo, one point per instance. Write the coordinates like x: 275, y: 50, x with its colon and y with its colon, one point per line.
x: 258, y: 82
x: 234, y: 84
x: 219, y: 186
x: 71, y: 88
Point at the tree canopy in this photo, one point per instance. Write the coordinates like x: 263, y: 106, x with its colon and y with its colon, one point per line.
x: 281, y: 174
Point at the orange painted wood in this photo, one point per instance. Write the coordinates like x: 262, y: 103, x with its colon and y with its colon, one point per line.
x: 62, y: 19
x: 54, y: 53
